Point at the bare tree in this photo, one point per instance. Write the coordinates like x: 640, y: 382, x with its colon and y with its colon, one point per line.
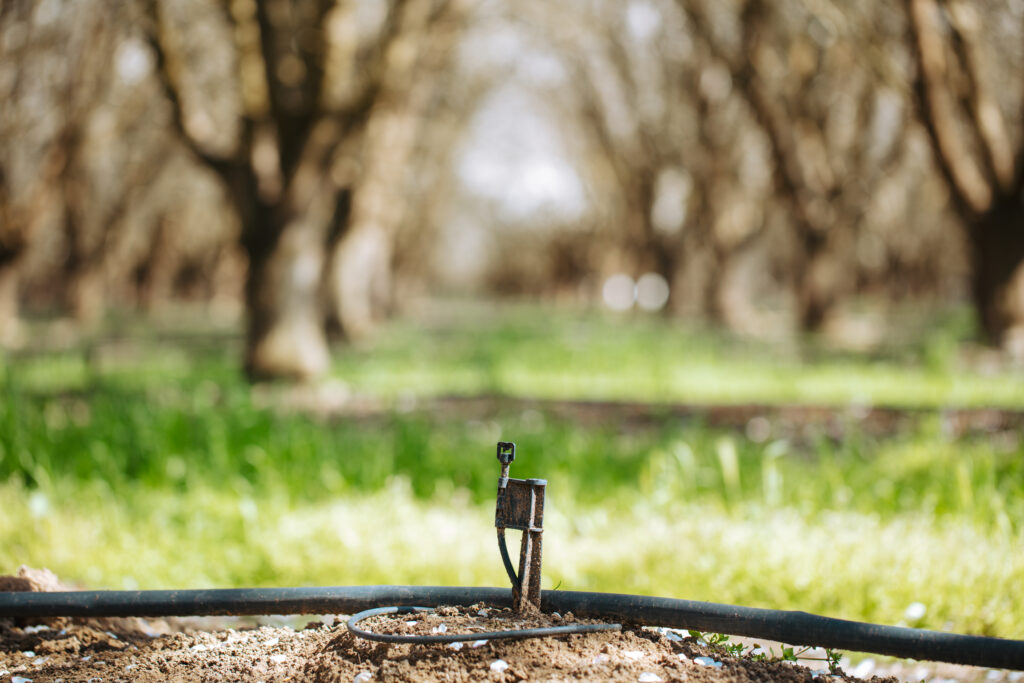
x: 962, y: 94
x: 359, y: 280
x: 813, y: 79
x: 83, y: 142
x: 111, y: 146
x: 308, y: 77
x: 688, y: 161
x: 27, y: 166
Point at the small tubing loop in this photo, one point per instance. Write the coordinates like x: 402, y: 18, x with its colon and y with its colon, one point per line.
x: 509, y: 634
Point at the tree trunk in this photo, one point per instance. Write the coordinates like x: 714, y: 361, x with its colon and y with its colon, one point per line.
x: 84, y: 297
x: 11, y: 334
x: 360, y: 274
x: 360, y: 279
x: 816, y: 292
x: 285, y: 337
x: 997, y: 240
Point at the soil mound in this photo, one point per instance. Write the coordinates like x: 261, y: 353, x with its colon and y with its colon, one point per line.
x: 97, y: 650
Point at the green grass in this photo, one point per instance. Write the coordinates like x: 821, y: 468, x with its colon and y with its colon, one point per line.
x: 568, y: 354
x: 143, y: 464
x: 846, y: 564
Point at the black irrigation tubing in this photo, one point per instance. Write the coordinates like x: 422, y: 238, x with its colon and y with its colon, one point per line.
x: 508, y: 634
x: 788, y: 627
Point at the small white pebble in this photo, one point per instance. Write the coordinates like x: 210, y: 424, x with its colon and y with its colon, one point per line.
x: 39, y: 661
x: 112, y: 635
x: 272, y: 642
x: 482, y: 613
x: 499, y: 665
x: 633, y: 654
x: 672, y: 635
x: 129, y: 667
x: 600, y: 659
x: 36, y: 629
x: 86, y: 658
x: 439, y: 629
x: 29, y: 653
x: 20, y: 679
x: 649, y: 677
x: 479, y: 643
x: 411, y: 623
x: 683, y: 658
x: 556, y: 616
x: 706, y: 661
x: 362, y: 677
x: 455, y: 646
x: 199, y: 648
x: 277, y: 659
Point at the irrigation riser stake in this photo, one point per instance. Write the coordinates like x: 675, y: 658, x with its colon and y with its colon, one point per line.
x: 520, y: 505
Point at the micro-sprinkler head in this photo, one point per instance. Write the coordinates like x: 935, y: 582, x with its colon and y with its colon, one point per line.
x: 506, y: 455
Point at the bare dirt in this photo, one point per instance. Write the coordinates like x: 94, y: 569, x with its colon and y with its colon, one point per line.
x: 98, y: 650
x: 88, y: 652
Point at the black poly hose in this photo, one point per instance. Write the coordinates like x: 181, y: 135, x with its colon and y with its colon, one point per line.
x: 788, y: 627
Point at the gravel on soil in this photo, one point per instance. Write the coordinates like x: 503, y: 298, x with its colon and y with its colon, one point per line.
x: 96, y: 652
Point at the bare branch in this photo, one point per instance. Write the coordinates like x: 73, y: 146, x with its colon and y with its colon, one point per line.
x: 972, y: 191
x: 775, y: 123
x: 167, y: 72
x: 988, y: 121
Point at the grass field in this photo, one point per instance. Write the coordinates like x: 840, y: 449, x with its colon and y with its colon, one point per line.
x: 143, y: 460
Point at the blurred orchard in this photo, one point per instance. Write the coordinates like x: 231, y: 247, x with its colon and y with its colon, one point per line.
x: 310, y: 167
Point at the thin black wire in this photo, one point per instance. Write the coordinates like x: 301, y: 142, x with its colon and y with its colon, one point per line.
x: 463, y: 637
